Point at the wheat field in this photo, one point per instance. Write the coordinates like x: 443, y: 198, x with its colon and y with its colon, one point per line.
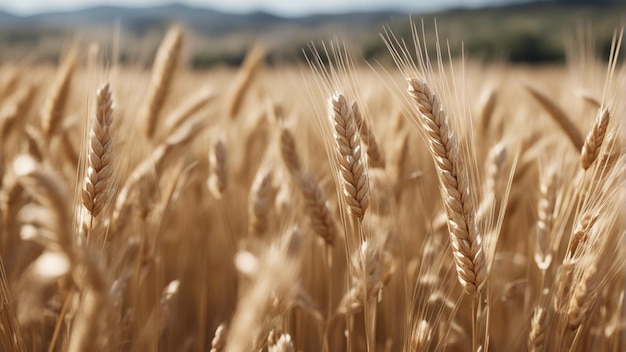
x: 438, y: 205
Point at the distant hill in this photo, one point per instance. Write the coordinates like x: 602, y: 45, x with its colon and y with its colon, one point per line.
x: 199, y: 18
x: 533, y: 31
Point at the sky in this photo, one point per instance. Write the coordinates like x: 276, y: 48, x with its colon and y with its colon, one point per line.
x: 281, y: 7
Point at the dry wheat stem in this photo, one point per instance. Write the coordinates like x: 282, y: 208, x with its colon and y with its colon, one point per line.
x: 94, y: 307
x: 465, y: 241
x: 85, y: 332
x: 11, y: 338
x: 352, y: 169
x: 274, y: 286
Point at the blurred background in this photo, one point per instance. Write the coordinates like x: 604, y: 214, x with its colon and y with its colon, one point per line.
x: 219, y: 32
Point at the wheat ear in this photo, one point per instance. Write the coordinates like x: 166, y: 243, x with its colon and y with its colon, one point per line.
x: 137, y: 186
x: 218, y: 344
x: 315, y: 203
x: 351, y: 164
x: 288, y: 151
x: 242, y: 81
x: 595, y: 137
x: 371, y: 270
x: 559, y: 116
x: 421, y: 337
x: 488, y: 108
x: 466, y: 242
x: 96, y: 185
x: 317, y: 209
x: 54, y: 106
x: 162, y: 76
x: 14, y: 113
x: 261, y: 200
x: 274, y: 286
x: 218, y: 167
x: 537, y: 336
x: 582, y: 297
x: 281, y: 344
x: 547, y: 203
x: 9, y: 83
x: 188, y: 107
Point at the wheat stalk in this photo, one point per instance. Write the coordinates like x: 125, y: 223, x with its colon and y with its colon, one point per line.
x: 11, y: 338
x: 318, y: 209
x: 559, y: 116
x: 218, y: 344
x: 138, y: 188
x: 421, y: 337
x: 246, y: 74
x: 582, y: 298
x: 96, y: 185
x: 188, y: 107
x: 218, y: 164
x: 281, y: 344
x: 466, y: 242
x: 261, y: 200
x: 12, y: 114
x: 547, y: 203
x: 352, y: 169
x: 94, y: 307
x: 316, y: 205
x: 288, y: 150
x: 538, y: 327
x: 162, y: 75
x: 595, y: 137
x: 371, y: 270
x: 54, y: 106
x: 488, y: 107
x: 34, y: 142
